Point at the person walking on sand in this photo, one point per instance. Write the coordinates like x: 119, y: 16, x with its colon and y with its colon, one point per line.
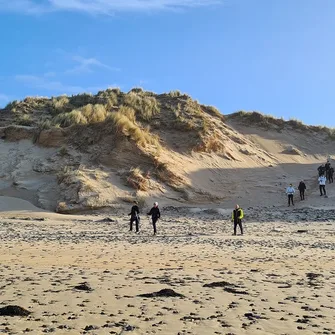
x: 290, y: 192
x: 322, y: 185
x: 237, y: 217
x: 302, y: 188
x: 331, y: 175
x: 155, y: 215
x: 135, y: 216
x: 327, y: 168
x: 321, y: 170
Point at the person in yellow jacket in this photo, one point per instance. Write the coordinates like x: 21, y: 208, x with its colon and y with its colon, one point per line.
x: 237, y: 217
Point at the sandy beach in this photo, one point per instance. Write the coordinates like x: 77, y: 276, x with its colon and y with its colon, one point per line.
x: 278, y: 278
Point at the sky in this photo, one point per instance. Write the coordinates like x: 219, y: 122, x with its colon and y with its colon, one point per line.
x: 272, y: 56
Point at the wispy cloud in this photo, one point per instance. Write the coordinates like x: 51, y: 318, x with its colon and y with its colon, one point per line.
x: 42, y: 82
x: 86, y: 65
x: 56, y: 87
x: 106, y: 7
x: 24, y: 6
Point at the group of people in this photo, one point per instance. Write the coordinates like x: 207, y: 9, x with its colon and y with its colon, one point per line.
x: 135, y: 217
x: 326, y: 172
x: 237, y: 217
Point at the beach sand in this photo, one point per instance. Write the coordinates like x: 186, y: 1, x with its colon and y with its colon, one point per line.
x: 278, y: 278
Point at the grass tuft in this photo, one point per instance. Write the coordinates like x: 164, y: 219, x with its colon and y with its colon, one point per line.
x: 128, y: 128
x: 146, y: 107
x: 136, y: 180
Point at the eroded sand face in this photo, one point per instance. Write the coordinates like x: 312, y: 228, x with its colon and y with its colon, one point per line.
x: 267, y: 286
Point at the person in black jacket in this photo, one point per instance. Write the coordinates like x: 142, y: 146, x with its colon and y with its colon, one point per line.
x: 331, y: 175
x: 302, y: 188
x: 237, y: 217
x: 155, y: 215
x: 321, y: 170
x: 134, y: 216
x: 327, y: 168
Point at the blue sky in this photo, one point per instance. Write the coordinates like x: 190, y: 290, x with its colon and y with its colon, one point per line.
x: 273, y: 56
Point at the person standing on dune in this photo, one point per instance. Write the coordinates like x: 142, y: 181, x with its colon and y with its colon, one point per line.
x: 155, y: 215
x: 237, y: 217
x: 290, y: 192
x: 302, y: 188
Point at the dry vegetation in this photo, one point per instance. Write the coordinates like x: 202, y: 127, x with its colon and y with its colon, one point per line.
x: 212, y: 143
x: 129, y: 128
x: 164, y: 174
x: 146, y: 107
x: 136, y: 179
x: 146, y: 120
x: 271, y: 122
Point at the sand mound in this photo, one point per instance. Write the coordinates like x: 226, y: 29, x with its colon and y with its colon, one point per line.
x: 8, y: 204
x: 103, y: 151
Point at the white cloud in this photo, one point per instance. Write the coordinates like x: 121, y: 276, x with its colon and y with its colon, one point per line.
x: 45, y: 83
x: 24, y: 6
x: 106, y: 7
x: 86, y: 65
x: 56, y: 87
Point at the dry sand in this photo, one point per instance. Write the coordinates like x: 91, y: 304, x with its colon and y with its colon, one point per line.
x: 278, y: 278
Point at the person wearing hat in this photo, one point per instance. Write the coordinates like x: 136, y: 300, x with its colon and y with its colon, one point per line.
x: 134, y: 216
x: 155, y: 215
x: 290, y: 192
x: 302, y: 188
x: 237, y: 217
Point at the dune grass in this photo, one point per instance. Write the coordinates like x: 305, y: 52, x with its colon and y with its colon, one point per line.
x: 135, y: 178
x: 86, y: 115
x: 123, y: 125
x: 146, y: 107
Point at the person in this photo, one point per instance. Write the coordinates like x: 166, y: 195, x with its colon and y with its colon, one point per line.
x: 321, y: 170
x: 322, y: 185
x: 290, y: 192
x: 155, y: 215
x: 237, y: 217
x: 331, y: 175
x: 134, y: 216
x: 302, y: 188
x: 327, y: 168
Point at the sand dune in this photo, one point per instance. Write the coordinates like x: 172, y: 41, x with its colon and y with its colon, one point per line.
x: 87, y: 274
x: 9, y: 204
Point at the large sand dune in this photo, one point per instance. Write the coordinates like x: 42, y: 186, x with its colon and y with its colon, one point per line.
x: 87, y: 274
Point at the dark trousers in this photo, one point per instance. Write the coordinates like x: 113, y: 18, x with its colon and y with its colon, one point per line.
x: 322, y: 190
x: 154, y: 221
x: 238, y: 222
x: 302, y: 194
x: 136, y: 223
x: 290, y: 199
x: 331, y: 180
